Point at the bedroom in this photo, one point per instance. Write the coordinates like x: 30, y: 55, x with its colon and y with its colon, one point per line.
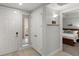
x: 71, y: 32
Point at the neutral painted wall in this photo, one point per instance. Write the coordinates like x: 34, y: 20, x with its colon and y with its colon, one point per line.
x: 71, y: 20
x: 10, y: 23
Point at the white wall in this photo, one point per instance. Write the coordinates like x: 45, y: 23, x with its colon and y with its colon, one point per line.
x: 10, y: 23
x: 53, y: 39
x: 71, y: 20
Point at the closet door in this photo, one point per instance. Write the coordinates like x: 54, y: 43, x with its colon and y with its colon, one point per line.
x: 9, y: 22
x: 36, y: 29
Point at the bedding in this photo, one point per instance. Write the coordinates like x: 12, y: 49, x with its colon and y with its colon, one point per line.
x: 72, y: 36
x: 68, y: 31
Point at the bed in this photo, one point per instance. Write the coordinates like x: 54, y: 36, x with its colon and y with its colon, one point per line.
x: 70, y: 38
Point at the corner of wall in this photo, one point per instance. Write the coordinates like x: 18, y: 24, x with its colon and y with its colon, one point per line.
x: 56, y: 51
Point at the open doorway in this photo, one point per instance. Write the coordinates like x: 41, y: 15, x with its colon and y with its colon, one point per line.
x: 25, y: 30
x: 71, y: 32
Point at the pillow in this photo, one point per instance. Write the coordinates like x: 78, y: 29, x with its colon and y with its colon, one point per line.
x: 68, y: 31
x: 75, y: 32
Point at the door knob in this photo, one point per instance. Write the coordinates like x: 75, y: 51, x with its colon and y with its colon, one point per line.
x: 16, y: 34
x: 35, y: 35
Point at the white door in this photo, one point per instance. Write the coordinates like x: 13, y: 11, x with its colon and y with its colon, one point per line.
x: 36, y: 30
x: 8, y: 28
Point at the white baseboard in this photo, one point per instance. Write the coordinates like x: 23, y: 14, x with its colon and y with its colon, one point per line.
x: 7, y: 52
x: 54, y: 52
x: 38, y: 51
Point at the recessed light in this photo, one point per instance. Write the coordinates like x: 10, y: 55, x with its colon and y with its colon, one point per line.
x: 20, y: 4
x: 15, y: 12
x: 54, y: 15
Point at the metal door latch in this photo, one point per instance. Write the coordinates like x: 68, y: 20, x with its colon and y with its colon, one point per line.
x: 16, y: 34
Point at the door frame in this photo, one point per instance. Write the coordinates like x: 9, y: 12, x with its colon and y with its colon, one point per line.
x: 23, y: 15
x: 65, y: 11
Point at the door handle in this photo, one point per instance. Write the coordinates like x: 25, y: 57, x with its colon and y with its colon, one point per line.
x: 16, y: 34
x: 35, y: 35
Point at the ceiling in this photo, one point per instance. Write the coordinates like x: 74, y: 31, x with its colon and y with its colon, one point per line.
x: 32, y: 6
x: 58, y: 6
x: 25, y: 6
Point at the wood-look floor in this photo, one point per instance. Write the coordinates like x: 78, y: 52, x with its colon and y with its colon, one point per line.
x: 24, y: 52
x: 73, y: 50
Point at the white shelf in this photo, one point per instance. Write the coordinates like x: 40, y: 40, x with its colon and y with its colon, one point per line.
x: 52, y: 24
